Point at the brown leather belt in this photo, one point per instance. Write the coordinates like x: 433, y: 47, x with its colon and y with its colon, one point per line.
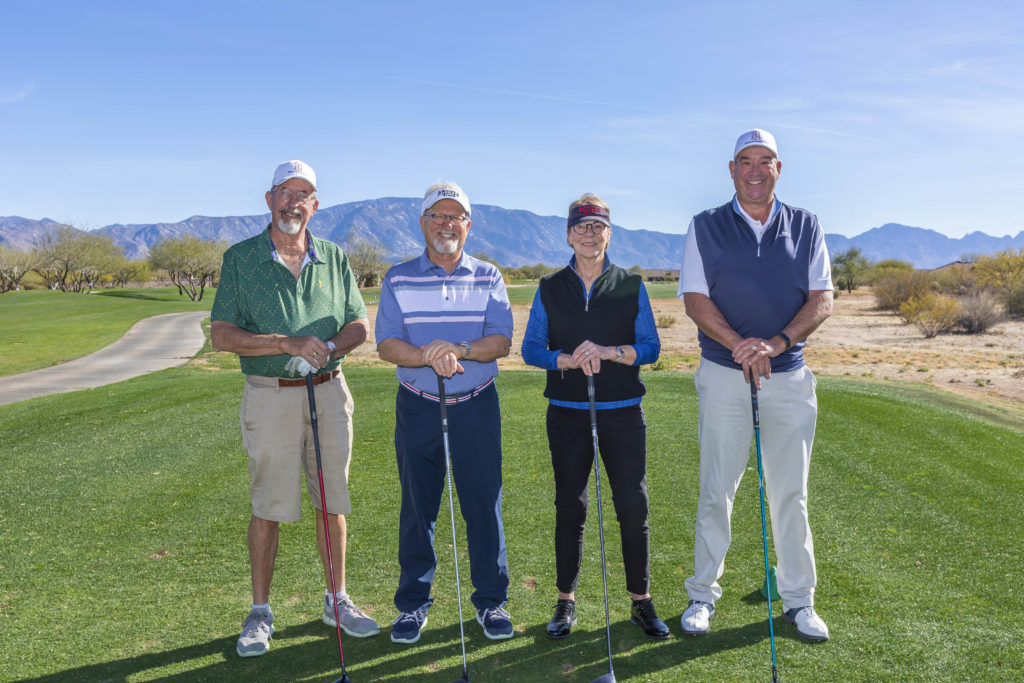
x: 317, y: 379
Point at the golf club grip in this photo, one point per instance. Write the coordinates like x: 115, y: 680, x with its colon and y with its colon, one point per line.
x: 443, y: 400
x: 311, y: 394
x: 753, y: 404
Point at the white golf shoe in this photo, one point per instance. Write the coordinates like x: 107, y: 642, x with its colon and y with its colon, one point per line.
x: 696, y: 619
x: 808, y: 623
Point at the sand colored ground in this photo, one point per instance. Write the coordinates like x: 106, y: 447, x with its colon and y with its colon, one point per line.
x: 857, y: 341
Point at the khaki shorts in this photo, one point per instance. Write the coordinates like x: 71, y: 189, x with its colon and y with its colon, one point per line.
x: 278, y: 435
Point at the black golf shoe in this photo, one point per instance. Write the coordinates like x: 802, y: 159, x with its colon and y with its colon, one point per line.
x: 644, y: 616
x: 564, y: 619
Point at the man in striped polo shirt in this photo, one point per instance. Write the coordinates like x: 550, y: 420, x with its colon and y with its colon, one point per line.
x: 757, y: 282
x: 446, y: 313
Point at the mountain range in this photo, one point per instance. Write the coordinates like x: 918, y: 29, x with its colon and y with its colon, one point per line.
x: 511, y: 237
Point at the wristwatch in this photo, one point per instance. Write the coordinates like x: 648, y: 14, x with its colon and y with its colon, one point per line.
x: 332, y: 347
x: 466, y: 345
x: 619, y: 354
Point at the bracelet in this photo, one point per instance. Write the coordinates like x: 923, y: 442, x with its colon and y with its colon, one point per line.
x: 786, y: 339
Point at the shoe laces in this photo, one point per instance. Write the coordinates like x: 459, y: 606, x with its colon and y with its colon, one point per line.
x: 696, y: 605
x: 563, y: 609
x: 346, y: 605
x: 492, y: 612
x: 255, y: 623
x: 646, y: 609
x: 415, y: 617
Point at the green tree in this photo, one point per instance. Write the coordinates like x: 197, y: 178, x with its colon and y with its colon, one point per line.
x: 14, y: 265
x: 366, y: 257
x: 848, y: 268
x: 189, y: 262
x: 72, y: 260
x: 882, y: 269
x: 1001, y: 271
x: 124, y: 271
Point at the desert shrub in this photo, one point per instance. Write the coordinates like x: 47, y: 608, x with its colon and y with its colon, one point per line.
x: 898, y: 287
x: 666, y: 321
x: 931, y: 313
x: 879, y: 270
x: 1013, y: 299
x: 957, y: 280
x: 1003, y: 270
x: 979, y: 311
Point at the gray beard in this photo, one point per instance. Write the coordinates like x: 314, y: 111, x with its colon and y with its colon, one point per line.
x: 289, y: 226
x: 446, y: 246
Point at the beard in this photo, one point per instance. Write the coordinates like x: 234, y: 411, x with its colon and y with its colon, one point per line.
x: 289, y: 225
x: 443, y: 246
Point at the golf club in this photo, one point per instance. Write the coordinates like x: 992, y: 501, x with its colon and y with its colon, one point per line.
x: 764, y: 525
x: 610, y: 676
x: 451, y: 508
x: 323, y: 507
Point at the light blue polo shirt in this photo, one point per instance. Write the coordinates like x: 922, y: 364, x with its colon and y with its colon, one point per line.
x: 420, y: 302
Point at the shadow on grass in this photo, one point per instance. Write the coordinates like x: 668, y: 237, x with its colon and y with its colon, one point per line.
x: 136, y: 294
x: 531, y: 655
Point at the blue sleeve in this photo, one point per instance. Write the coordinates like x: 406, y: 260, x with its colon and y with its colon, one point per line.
x: 535, y: 340
x: 648, y: 345
x: 389, y: 323
x: 498, y: 318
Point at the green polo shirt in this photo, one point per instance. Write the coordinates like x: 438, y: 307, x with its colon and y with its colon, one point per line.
x: 258, y: 293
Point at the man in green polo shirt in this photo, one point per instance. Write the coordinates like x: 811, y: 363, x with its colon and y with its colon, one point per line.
x: 288, y: 304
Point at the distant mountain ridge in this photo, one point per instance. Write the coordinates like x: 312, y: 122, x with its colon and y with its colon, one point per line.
x: 511, y: 237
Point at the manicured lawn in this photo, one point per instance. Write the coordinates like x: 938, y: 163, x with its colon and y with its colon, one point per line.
x: 41, y: 328
x: 122, y: 545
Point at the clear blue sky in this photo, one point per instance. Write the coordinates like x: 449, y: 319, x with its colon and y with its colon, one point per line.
x: 139, y: 112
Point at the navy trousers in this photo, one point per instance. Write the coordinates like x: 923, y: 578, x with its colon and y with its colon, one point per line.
x: 474, y: 436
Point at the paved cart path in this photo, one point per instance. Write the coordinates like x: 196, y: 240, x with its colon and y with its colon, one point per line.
x: 156, y: 343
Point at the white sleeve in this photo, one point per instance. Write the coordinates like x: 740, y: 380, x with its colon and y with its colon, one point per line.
x: 819, y: 273
x: 691, y: 276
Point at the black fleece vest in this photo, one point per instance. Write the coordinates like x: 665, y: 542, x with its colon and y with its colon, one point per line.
x: 608, y: 319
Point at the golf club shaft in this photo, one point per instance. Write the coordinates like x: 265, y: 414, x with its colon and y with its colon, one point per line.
x: 323, y: 507
x: 600, y: 518
x: 764, y: 524
x: 451, y: 508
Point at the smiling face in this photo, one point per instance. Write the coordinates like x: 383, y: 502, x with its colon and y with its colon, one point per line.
x: 445, y: 238
x: 289, y: 213
x: 589, y: 245
x: 755, y: 172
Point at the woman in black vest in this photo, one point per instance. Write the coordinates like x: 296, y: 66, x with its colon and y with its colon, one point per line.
x: 594, y: 318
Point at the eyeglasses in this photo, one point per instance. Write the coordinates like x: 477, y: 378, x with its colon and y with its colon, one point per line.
x: 446, y: 218
x: 594, y: 227
x: 287, y: 194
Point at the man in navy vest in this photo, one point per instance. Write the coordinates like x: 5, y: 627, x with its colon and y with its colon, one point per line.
x: 757, y: 282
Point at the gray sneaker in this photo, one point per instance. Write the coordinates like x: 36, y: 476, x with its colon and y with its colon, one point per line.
x: 257, y: 632
x: 354, y: 621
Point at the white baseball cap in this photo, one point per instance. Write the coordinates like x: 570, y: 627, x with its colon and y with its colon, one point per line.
x: 294, y: 169
x: 447, y: 191
x: 756, y: 138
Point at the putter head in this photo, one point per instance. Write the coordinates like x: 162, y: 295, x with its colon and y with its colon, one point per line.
x: 607, y: 678
x: 343, y: 679
x: 463, y: 679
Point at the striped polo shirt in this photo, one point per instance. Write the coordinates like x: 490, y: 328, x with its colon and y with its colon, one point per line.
x: 420, y: 302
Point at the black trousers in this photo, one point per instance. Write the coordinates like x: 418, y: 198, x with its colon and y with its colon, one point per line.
x: 622, y: 442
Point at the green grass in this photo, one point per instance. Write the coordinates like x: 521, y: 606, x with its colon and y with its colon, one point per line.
x: 122, y: 545
x: 42, y: 328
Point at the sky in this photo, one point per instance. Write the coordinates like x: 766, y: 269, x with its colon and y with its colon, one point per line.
x: 144, y: 112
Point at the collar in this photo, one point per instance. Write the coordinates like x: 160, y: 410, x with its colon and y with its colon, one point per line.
x: 607, y: 263
x: 757, y: 225
x: 270, y: 252
x: 425, y: 264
